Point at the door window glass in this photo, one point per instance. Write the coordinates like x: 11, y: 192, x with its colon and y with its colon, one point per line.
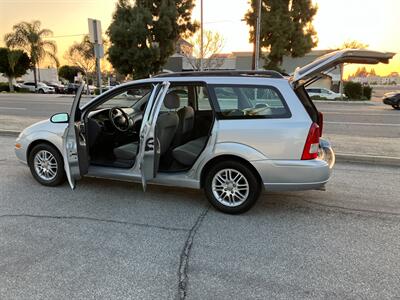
x: 241, y: 101
x: 203, y: 101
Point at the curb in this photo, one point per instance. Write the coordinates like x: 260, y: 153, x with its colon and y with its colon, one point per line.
x: 368, y: 159
x: 346, y: 102
x: 6, y: 132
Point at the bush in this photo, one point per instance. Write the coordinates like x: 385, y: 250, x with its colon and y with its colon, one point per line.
x: 367, y: 92
x: 355, y: 91
x: 4, y: 87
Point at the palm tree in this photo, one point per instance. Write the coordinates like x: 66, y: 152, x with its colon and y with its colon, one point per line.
x: 31, y: 38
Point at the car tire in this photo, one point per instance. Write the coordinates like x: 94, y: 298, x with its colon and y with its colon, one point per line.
x: 396, y: 106
x: 41, y: 91
x: 46, y: 165
x: 231, y: 187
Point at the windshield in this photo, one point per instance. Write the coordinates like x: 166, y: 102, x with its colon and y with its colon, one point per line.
x: 133, y: 98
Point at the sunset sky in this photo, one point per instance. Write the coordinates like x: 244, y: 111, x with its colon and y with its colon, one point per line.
x: 372, y: 22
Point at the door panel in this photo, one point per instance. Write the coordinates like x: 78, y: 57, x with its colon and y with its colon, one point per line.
x: 75, y: 156
x: 149, y: 145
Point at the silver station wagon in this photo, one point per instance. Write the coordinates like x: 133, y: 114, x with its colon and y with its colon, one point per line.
x: 234, y: 134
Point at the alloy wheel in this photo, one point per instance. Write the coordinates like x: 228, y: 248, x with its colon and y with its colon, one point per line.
x: 230, y: 187
x: 45, y: 165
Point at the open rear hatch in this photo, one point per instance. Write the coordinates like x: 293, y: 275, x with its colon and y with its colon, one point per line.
x: 304, y: 75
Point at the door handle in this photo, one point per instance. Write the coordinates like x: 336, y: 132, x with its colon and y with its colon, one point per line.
x: 149, y: 146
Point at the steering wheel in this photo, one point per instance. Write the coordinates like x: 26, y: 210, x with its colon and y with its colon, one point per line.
x: 119, y: 119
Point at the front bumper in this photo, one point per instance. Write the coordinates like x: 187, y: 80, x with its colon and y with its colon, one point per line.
x: 20, y: 150
x: 389, y: 101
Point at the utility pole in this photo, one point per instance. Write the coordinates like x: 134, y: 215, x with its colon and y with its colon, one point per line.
x: 201, y: 36
x: 257, y: 37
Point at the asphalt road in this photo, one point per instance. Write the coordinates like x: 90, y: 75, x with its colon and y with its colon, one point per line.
x: 376, y: 120
x: 108, y: 240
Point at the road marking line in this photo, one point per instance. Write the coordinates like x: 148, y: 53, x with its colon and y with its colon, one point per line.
x: 367, y: 124
x: 13, y: 108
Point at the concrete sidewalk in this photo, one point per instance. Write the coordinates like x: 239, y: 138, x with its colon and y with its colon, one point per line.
x: 384, y: 151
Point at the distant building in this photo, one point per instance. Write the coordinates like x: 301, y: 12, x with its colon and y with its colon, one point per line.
x: 45, y: 74
x: 391, y: 79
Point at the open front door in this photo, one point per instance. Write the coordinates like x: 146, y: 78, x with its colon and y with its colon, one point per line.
x: 149, y: 145
x: 76, y: 160
x: 306, y: 74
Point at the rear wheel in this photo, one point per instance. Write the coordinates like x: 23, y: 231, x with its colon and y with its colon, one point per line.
x: 231, y: 187
x: 396, y: 106
x: 41, y: 91
x: 46, y: 165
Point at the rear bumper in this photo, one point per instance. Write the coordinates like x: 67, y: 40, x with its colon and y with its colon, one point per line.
x: 293, y: 175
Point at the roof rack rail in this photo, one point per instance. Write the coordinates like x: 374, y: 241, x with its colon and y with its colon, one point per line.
x: 263, y: 73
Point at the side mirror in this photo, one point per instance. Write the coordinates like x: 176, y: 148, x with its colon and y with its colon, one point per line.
x: 60, y: 118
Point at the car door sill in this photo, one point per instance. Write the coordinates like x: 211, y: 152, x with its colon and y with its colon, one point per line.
x: 180, y: 179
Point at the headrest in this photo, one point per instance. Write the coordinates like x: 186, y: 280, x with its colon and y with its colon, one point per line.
x: 172, y: 101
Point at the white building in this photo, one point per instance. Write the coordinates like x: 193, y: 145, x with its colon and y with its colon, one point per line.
x: 45, y: 74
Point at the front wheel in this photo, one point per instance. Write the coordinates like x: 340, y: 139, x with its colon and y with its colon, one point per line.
x: 46, y: 165
x: 231, y: 187
x: 396, y: 106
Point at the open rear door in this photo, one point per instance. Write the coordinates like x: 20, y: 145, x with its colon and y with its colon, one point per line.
x: 308, y: 73
x: 76, y: 160
x: 149, y: 145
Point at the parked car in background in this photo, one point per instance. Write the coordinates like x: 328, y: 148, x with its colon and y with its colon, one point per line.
x: 392, y: 99
x: 324, y: 93
x: 58, y: 87
x: 71, y: 88
x: 233, y: 134
x: 92, y: 89
x: 42, y: 88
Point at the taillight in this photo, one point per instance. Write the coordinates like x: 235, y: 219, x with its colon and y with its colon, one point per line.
x: 320, y: 122
x: 312, y: 143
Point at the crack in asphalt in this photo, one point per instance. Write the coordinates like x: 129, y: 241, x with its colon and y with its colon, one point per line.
x: 94, y: 220
x: 185, y: 255
x: 349, y: 209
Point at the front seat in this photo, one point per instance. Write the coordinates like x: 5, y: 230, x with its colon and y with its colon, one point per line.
x: 185, y: 126
x: 167, y: 122
x: 166, y: 126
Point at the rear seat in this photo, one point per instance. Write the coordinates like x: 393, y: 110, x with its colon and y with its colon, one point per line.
x: 187, y: 154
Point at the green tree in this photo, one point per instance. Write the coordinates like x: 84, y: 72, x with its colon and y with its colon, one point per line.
x: 13, y: 64
x: 143, y: 35
x: 69, y: 72
x: 32, y: 39
x: 353, y: 45
x: 286, y: 28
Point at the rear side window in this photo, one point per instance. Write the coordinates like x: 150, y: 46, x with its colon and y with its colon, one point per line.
x: 247, y: 102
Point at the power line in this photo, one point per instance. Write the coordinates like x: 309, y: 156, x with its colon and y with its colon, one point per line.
x: 224, y: 21
x: 63, y: 36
